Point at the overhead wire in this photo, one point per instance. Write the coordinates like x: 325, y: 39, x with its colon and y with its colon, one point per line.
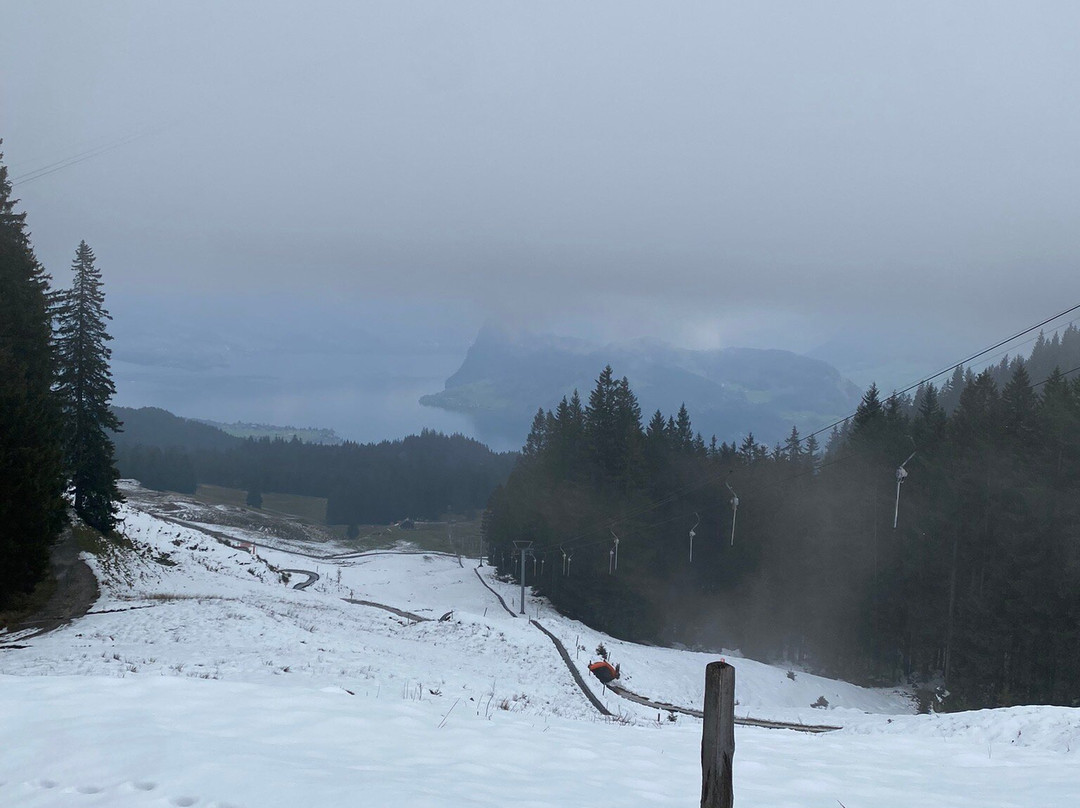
x: 576, y: 542
x: 79, y: 157
x: 954, y: 366
x: 629, y: 531
x: 1012, y: 347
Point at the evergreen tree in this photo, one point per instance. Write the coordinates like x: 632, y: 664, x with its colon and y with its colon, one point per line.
x: 536, y: 441
x: 811, y: 452
x: 85, y: 386
x: 611, y: 417
x: 793, y: 446
x: 32, y: 508
x: 684, y: 433
x: 564, y: 447
x: 869, y: 413
x: 656, y: 431
x: 748, y: 449
x: 1019, y: 406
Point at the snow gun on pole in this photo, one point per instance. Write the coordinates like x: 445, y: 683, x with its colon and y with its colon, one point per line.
x: 734, y: 510
x: 901, y: 475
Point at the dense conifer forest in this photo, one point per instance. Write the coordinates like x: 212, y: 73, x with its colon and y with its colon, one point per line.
x: 975, y: 591
x: 420, y: 476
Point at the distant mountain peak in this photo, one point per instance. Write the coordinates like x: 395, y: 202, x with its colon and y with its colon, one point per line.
x: 507, y: 374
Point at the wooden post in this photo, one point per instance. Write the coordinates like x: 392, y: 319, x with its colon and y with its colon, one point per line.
x: 718, y: 736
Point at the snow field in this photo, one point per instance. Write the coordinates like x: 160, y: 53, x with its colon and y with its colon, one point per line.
x: 159, y: 741
x: 215, y: 684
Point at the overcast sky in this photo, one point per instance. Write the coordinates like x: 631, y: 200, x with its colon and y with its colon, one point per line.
x: 758, y: 173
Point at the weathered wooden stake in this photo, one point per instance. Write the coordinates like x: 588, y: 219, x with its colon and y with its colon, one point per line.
x: 718, y: 736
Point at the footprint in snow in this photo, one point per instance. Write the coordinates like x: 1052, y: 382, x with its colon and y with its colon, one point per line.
x: 144, y: 785
x: 184, y: 802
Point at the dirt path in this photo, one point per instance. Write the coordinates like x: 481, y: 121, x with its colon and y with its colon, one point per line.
x: 75, y: 592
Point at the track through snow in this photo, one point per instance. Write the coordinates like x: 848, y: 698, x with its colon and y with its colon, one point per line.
x: 502, y: 602
x: 578, y: 680
x: 312, y: 577
x: 236, y: 690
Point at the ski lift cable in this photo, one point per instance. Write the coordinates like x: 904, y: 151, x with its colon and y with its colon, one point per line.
x: 632, y: 531
x: 824, y: 464
x: 579, y: 541
x: 696, y: 486
x: 988, y: 360
x: 956, y: 365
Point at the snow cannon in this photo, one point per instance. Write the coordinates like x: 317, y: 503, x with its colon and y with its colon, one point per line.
x: 604, y: 671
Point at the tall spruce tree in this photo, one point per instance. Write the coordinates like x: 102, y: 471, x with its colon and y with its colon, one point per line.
x: 85, y: 385
x: 32, y: 508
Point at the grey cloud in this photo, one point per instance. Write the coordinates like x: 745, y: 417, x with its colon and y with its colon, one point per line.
x: 767, y: 173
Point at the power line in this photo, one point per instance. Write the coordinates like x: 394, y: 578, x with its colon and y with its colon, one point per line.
x: 79, y: 157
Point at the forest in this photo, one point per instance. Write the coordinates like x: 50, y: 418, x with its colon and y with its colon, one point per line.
x: 974, y: 593
x: 420, y: 476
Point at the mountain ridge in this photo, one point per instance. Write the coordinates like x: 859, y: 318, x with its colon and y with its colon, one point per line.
x: 729, y: 392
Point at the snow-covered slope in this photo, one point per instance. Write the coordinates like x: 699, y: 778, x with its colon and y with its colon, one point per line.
x: 201, y: 678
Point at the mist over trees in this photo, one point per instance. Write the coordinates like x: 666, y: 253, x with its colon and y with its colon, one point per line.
x: 977, y: 589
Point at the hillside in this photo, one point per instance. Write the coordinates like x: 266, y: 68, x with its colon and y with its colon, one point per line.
x: 242, y: 429
x: 421, y: 475
x: 201, y: 678
x: 153, y: 426
x: 505, y: 377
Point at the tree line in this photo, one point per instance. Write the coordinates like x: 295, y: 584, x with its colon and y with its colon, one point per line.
x: 55, y: 387
x: 419, y: 476
x: 976, y: 591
